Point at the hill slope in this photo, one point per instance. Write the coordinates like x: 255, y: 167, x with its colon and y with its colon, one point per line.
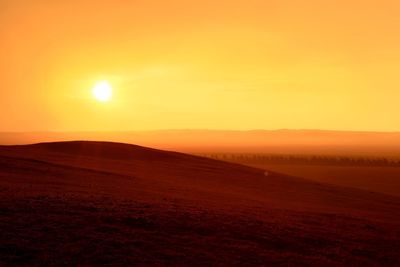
x: 256, y: 141
x: 100, y: 203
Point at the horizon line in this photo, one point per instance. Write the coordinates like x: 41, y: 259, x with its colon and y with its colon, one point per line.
x: 198, y: 129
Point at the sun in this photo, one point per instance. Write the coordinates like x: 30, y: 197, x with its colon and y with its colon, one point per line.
x: 102, y: 91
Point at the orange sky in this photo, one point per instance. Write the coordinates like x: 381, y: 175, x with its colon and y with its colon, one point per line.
x: 214, y: 64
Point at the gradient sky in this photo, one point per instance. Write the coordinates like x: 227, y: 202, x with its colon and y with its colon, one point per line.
x: 213, y: 64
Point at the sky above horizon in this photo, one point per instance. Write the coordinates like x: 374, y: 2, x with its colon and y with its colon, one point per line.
x: 244, y: 64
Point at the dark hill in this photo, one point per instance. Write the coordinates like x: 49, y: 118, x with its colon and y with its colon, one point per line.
x: 94, y: 203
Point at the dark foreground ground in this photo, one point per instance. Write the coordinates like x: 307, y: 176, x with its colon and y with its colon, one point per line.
x: 85, y: 203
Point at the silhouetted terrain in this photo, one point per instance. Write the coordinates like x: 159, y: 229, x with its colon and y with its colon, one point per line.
x: 311, y: 142
x: 98, y: 203
x: 377, y: 174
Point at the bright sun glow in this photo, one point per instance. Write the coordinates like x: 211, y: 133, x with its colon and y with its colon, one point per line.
x: 102, y: 91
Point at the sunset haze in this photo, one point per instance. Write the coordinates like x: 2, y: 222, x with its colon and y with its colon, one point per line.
x: 200, y: 64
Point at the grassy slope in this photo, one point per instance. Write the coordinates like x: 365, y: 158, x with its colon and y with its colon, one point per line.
x: 100, y: 203
x: 382, y: 179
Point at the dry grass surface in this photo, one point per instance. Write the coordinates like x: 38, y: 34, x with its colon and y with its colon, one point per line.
x: 91, y: 203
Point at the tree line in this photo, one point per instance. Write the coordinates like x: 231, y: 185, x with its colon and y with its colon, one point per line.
x: 251, y: 158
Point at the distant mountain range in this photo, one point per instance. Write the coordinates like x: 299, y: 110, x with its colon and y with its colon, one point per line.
x: 255, y: 141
